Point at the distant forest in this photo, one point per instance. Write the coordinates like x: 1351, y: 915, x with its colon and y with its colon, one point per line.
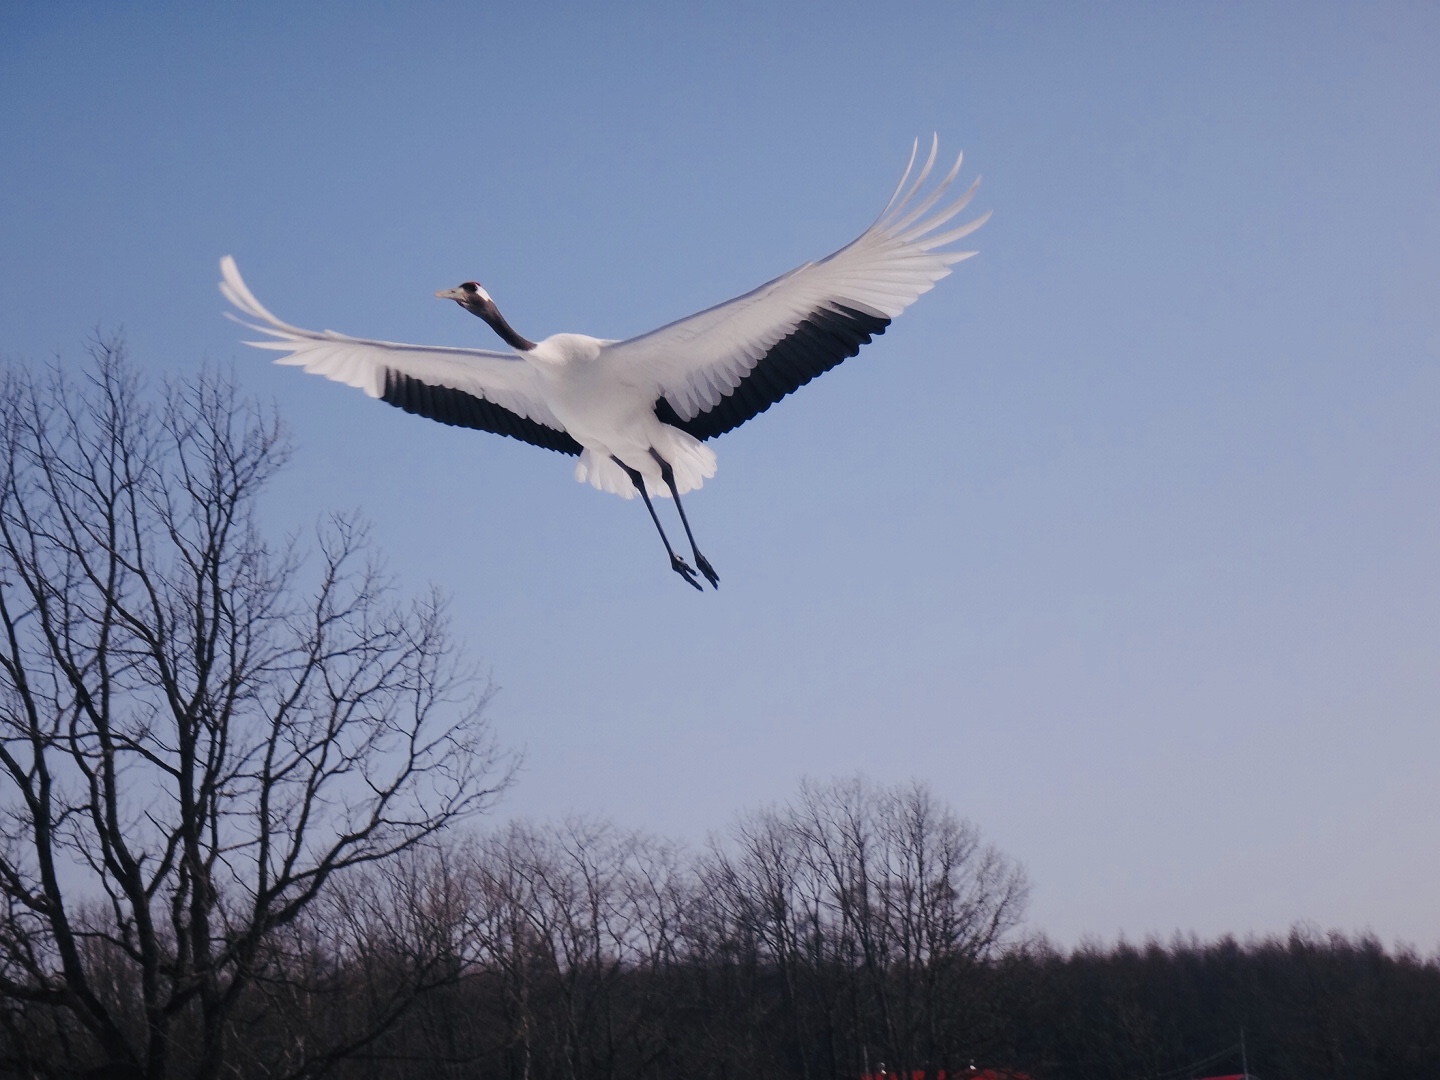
x: 853, y: 931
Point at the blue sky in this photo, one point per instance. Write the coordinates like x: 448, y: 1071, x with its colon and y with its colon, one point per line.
x: 1124, y: 538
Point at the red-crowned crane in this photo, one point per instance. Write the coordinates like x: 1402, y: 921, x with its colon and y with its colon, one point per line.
x: 638, y: 412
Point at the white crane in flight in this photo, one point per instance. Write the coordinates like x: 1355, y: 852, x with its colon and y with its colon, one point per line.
x: 638, y: 412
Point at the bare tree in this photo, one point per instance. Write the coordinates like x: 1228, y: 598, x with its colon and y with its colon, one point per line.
x: 919, y: 901
x: 876, y: 910
x: 579, y: 920
x: 199, y: 732
x: 757, y: 919
x: 367, y: 976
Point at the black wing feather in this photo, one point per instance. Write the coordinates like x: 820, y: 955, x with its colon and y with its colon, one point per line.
x: 822, y: 340
x: 459, y: 409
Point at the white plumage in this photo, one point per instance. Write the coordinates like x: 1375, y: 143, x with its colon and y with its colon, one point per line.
x: 638, y: 412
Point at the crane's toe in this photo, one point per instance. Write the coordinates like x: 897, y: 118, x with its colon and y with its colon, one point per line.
x: 681, y: 567
x: 707, y: 570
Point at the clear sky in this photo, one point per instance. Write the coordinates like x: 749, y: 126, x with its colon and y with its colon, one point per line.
x: 1124, y: 538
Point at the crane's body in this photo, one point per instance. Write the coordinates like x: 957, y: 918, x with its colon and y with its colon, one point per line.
x: 611, y: 415
x: 638, y: 412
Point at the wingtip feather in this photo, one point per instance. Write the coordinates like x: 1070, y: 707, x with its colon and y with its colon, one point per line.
x: 914, y: 151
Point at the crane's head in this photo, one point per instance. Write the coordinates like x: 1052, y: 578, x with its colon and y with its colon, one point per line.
x: 476, y: 300
x: 472, y: 298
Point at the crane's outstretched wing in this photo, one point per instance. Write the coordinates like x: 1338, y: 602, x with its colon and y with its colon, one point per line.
x: 714, y: 370
x: 466, y: 387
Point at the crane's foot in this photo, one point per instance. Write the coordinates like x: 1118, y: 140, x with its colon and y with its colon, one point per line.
x: 681, y: 567
x: 707, y: 570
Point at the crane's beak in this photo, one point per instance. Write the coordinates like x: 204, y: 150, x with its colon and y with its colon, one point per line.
x: 451, y: 294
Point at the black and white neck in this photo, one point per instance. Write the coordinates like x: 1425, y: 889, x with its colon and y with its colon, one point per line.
x: 477, y: 301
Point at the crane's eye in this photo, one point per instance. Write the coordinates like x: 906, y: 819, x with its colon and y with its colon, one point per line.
x: 471, y: 287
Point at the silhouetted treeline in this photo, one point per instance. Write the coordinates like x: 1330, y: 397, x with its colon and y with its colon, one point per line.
x: 1312, y: 1006
x: 851, y: 929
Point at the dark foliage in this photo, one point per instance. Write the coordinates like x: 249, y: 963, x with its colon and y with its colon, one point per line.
x: 1311, y: 1006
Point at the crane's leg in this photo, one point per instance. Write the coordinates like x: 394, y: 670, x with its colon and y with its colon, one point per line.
x: 679, y: 565
x: 668, y: 474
